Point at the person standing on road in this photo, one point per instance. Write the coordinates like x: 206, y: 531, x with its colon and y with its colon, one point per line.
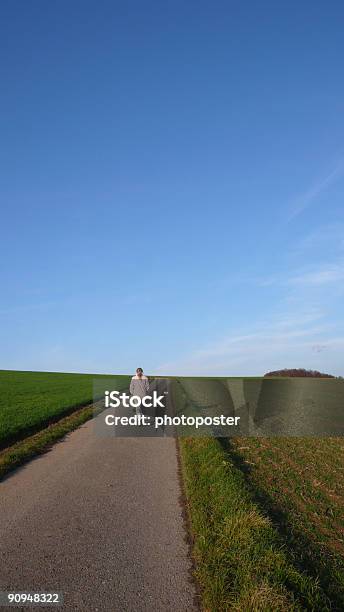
x: 139, y: 385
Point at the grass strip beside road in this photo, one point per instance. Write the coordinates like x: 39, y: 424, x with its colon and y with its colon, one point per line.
x: 17, y: 454
x: 242, y: 563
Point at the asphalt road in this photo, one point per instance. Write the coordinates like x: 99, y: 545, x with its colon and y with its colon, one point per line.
x: 101, y: 521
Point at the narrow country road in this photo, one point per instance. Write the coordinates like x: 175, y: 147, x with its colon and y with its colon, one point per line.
x: 99, y: 520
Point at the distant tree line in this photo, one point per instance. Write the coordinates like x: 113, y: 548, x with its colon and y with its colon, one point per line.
x: 299, y: 372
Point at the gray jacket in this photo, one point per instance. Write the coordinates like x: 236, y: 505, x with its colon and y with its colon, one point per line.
x: 139, y: 386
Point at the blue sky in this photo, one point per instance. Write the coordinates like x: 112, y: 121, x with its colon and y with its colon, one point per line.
x: 171, y: 186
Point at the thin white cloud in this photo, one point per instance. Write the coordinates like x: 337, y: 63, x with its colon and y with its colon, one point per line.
x: 296, y: 338
x: 287, y: 342
x: 322, y: 237
x: 322, y: 276
x: 301, y: 202
x: 255, y: 359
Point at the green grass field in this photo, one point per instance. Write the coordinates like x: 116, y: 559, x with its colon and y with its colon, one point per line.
x: 242, y: 561
x: 294, y: 483
x: 30, y: 401
x: 298, y: 482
